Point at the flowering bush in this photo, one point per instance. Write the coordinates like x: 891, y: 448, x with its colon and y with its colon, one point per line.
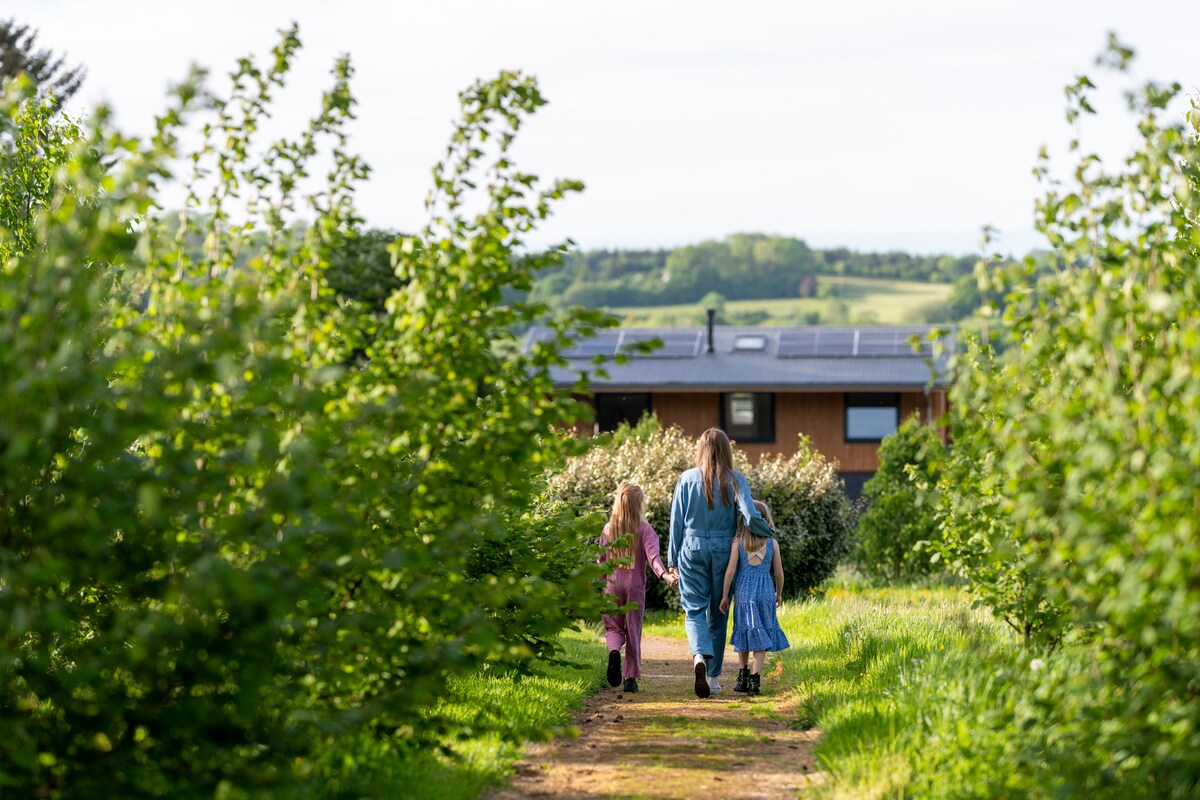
x: 814, y: 518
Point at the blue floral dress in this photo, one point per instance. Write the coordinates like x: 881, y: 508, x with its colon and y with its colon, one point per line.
x: 754, y: 624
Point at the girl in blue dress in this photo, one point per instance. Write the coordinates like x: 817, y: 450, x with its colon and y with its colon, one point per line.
x: 753, y: 559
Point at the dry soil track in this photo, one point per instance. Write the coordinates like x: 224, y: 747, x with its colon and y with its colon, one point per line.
x: 664, y: 742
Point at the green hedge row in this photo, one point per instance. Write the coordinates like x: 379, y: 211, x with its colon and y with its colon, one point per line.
x: 242, y: 518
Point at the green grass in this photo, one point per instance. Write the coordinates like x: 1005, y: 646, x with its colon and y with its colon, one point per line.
x: 495, y: 714
x: 664, y: 623
x: 867, y: 300
x: 914, y: 692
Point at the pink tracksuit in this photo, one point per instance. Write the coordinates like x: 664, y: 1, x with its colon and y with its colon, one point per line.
x: 628, y: 585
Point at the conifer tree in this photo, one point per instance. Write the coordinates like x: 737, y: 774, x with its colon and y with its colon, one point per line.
x: 19, y: 53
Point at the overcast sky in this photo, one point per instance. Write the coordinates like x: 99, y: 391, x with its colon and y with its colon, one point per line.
x: 871, y: 125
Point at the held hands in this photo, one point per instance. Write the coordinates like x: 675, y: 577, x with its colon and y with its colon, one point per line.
x: 671, y: 577
x: 724, y: 606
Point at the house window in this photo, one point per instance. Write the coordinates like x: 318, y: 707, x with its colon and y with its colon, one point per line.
x: 748, y: 417
x: 613, y: 409
x: 871, y: 416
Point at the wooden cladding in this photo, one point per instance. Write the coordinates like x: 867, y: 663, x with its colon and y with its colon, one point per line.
x: 820, y: 415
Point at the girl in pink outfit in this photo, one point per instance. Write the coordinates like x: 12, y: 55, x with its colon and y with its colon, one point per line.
x: 627, y: 582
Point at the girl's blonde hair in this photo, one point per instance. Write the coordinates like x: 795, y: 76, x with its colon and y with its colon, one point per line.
x: 625, y: 519
x: 714, y: 457
x: 749, y: 541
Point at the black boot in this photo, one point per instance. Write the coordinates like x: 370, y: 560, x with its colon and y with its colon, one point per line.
x: 753, y: 687
x: 702, y: 688
x: 614, y: 668
x: 743, y: 680
x: 630, y: 685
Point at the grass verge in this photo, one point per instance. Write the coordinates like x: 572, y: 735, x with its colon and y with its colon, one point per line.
x: 874, y: 669
x: 915, y: 693
x: 495, y: 714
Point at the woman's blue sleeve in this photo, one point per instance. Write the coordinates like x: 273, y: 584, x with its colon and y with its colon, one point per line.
x: 754, y: 520
x: 676, y: 533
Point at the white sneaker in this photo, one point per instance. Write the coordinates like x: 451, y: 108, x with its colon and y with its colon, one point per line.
x: 714, y: 685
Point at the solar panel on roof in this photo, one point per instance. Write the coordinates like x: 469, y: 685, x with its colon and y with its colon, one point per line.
x: 812, y: 343
x: 602, y: 344
x: 837, y: 342
x: 881, y: 343
x: 795, y: 344
x: 841, y: 342
x: 675, y: 344
x: 896, y: 343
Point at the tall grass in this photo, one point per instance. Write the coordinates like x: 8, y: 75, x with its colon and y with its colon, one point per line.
x: 493, y: 714
x: 917, y: 694
x: 867, y: 667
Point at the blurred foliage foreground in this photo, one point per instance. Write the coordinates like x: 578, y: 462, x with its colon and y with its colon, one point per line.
x: 241, y: 516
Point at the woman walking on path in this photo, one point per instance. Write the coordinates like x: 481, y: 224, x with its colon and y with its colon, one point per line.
x: 627, y: 583
x: 708, y: 500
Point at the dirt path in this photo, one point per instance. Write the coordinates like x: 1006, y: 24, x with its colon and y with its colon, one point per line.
x: 663, y: 742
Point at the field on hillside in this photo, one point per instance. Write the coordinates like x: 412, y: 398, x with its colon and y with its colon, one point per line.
x: 847, y: 300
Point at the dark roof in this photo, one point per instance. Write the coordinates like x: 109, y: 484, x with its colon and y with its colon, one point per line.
x: 877, y: 357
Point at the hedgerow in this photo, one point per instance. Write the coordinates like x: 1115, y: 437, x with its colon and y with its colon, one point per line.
x: 240, y: 516
x: 1070, y: 500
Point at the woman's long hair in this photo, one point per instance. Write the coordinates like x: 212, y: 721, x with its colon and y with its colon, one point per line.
x: 714, y: 457
x: 626, y: 517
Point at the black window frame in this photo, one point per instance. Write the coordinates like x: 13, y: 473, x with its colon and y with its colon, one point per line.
x: 647, y: 409
x: 853, y: 483
x: 868, y: 400
x: 764, y: 407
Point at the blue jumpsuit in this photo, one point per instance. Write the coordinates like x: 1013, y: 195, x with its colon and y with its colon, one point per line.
x: 701, y: 538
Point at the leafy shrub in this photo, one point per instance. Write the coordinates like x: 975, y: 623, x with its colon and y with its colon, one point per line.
x: 900, y: 508
x: 221, y: 547
x: 978, y: 539
x: 1084, y: 427
x: 37, y: 141
x: 804, y: 492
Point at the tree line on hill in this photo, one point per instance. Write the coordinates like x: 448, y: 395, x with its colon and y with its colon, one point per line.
x: 744, y: 266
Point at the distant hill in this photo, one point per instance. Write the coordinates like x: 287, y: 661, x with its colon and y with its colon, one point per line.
x: 745, y: 266
x: 758, y: 279
x: 839, y: 301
